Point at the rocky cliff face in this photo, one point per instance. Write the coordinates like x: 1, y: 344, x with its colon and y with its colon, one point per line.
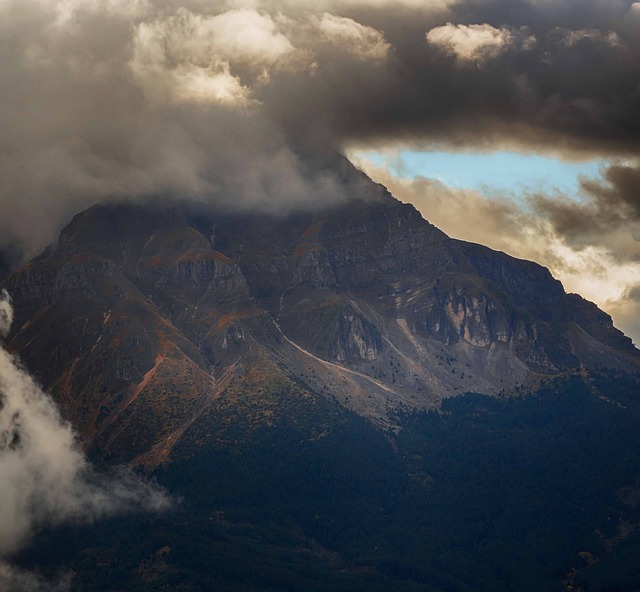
x: 142, y: 321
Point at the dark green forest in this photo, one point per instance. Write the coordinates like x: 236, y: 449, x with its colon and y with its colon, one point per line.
x: 539, y: 491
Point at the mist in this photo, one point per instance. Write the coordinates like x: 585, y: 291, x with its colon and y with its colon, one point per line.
x: 46, y: 479
x: 224, y: 101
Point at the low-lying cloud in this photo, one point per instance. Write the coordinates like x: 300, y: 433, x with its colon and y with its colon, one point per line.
x: 46, y: 480
x: 13, y: 579
x: 223, y: 101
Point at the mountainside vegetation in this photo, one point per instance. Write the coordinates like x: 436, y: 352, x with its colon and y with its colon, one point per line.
x: 532, y: 492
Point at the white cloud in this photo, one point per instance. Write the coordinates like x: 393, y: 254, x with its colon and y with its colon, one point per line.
x: 189, y: 56
x: 209, y: 84
x: 45, y: 479
x: 243, y: 35
x: 476, y: 43
x: 569, y: 37
x: 360, y: 40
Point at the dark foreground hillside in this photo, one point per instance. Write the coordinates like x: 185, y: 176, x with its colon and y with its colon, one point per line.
x: 538, y: 492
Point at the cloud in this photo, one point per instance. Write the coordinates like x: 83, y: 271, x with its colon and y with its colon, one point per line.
x: 626, y: 310
x: 190, y: 55
x: 336, y: 6
x: 109, y: 101
x: 225, y: 101
x: 363, y: 42
x: 607, y: 213
x: 476, y: 43
x: 46, y: 480
x: 619, y: 190
x: 6, y: 313
x: 552, y: 79
x: 391, y: 4
x: 569, y: 38
x: 13, y: 579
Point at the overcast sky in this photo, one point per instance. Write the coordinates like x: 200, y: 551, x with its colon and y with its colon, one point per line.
x: 225, y: 100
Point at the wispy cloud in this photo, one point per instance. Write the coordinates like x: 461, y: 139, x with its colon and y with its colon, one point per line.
x: 45, y: 478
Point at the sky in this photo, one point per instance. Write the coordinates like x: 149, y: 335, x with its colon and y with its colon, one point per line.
x: 511, y: 173
x: 514, y: 123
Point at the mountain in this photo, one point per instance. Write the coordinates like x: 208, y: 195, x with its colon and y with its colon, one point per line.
x: 143, y: 321
x: 300, y: 378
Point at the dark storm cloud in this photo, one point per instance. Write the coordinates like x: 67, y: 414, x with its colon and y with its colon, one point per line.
x: 621, y: 190
x: 226, y: 100
x: 561, y: 78
x: 609, y: 205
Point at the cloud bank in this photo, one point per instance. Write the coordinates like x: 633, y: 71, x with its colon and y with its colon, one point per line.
x: 46, y: 480
x: 222, y: 100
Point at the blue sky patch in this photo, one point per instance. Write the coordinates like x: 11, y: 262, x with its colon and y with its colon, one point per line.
x: 501, y: 171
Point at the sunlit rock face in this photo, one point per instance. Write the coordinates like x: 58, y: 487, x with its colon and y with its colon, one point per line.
x: 144, y: 320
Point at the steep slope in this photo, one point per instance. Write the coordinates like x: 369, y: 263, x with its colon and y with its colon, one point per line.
x: 143, y: 320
